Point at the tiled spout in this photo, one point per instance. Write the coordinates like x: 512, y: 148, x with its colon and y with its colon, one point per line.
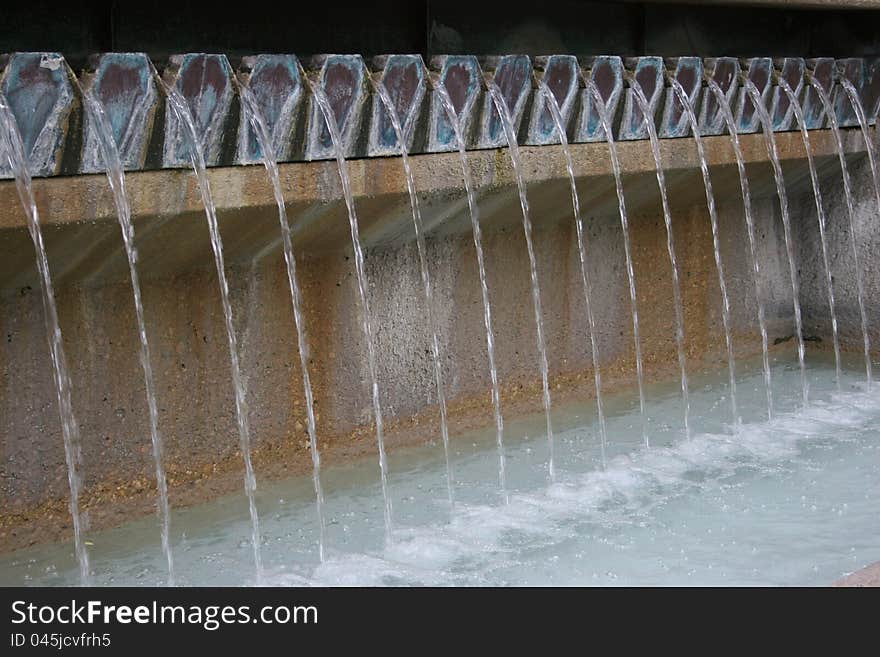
x: 871, y: 90
x: 40, y: 90
x: 205, y: 82
x: 688, y: 71
x: 462, y: 78
x: 723, y: 71
x: 606, y: 72
x: 44, y: 96
x: 277, y: 85
x: 790, y: 69
x: 513, y: 75
x: 126, y: 86
x: 405, y: 79
x: 758, y: 71
x: 344, y: 79
x: 822, y: 69
x: 562, y: 76
x: 649, y: 73
x: 852, y: 69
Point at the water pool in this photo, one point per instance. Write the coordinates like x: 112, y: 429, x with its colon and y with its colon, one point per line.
x: 792, y: 501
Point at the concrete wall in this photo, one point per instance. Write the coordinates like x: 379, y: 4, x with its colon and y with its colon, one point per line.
x: 839, y: 239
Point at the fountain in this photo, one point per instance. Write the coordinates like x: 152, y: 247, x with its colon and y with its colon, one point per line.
x: 449, y: 107
x: 727, y: 115
x: 326, y: 109
x: 631, y: 498
x: 773, y: 153
x: 853, y: 96
x: 820, y: 215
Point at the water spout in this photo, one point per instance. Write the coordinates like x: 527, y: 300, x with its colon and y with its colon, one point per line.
x: 582, y: 253
x: 426, y: 280
x: 255, y: 117
x: 727, y: 115
x: 14, y: 155
x: 116, y: 179
x: 773, y: 153
x: 820, y: 214
x: 872, y: 161
x: 863, y: 124
x: 455, y: 121
x: 178, y: 106
x: 630, y: 272
x: 648, y: 120
x: 333, y: 129
x: 685, y: 102
x: 513, y: 149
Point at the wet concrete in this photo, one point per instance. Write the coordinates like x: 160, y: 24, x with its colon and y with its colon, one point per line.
x: 868, y: 576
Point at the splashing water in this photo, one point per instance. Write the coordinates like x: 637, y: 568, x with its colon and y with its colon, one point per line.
x: 642, y: 102
x: 741, y: 507
x: 446, y: 101
x: 426, y: 279
x: 255, y: 117
x: 116, y: 179
x: 630, y: 272
x: 333, y: 129
x: 178, y: 106
x: 685, y: 102
x: 820, y: 213
x: 13, y: 151
x: 773, y: 153
x: 721, y: 99
x: 513, y: 149
x: 553, y: 106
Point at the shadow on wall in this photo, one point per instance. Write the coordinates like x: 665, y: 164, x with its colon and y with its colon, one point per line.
x: 430, y: 27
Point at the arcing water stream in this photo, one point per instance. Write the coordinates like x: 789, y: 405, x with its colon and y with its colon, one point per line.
x: 333, y: 129
x: 750, y: 229
x: 449, y: 107
x: 513, y: 149
x: 181, y: 111
x: 12, y: 150
x: 426, y: 281
x: 685, y: 102
x: 642, y: 102
x: 252, y: 111
x: 624, y: 224
x: 116, y: 179
x: 773, y: 153
x: 820, y: 214
x: 847, y: 192
x: 553, y: 106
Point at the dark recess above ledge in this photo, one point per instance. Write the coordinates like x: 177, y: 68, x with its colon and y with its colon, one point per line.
x: 430, y: 27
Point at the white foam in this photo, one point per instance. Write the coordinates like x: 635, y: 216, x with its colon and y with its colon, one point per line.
x: 478, y: 535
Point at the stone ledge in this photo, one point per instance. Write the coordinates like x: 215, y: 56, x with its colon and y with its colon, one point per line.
x: 84, y: 245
